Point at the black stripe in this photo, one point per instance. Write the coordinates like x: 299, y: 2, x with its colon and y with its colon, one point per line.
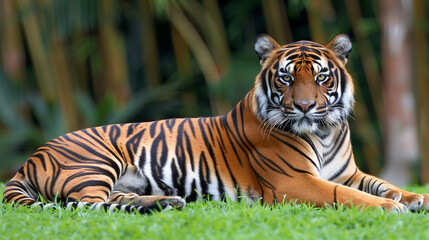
x: 114, y: 134
x: 343, y: 81
x: 204, y: 178
x: 191, y: 125
x: 194, y: 195
x: 335, y: 195
x: 234, y: 181
x: 262, y: 80
x: 314, y: 148
x: 134, y: 142
x: 337, y: 146
x: 293, y: 168
x: 350, y: 178
x: 212, y: 155
x: 189, y: 148
x: 152, y: 128
x: 130, y: 129
x: 209, y: 129
x: 339, y: 172
x: 79, y: 187
x: 299, y: 151
x: 181, y: 159
x: 368, y: 187
x: 361, y: 183
x: 160, y: 158
x: 170, y: 123
x: 378, y: 187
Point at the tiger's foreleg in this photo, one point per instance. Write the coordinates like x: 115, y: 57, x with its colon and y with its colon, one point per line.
x: 118, y: 197
x: 378, y: 187
x: 313, y: 190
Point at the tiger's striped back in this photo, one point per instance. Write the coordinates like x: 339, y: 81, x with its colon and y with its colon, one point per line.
x: 187, y: 157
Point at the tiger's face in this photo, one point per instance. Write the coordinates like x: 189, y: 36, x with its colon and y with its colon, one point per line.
x: 303, y: 87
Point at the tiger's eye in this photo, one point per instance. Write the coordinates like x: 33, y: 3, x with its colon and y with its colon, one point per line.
x: 287, y: 78
x: 321, y: 77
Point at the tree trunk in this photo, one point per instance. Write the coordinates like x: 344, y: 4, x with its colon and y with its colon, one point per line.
x: 401, y: 144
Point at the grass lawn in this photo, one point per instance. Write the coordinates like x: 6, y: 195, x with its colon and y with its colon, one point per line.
x: 215, y: 220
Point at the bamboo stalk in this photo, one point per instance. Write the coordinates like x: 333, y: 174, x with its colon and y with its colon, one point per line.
x: 182, y: 53
x: 276, y: 21
x: 149, y: 43
x: 369, y: 61
x: 184, y: 67
x: 211, y: 31
x: 217, y: 37
x: 38, y: 53
x: 315, y: 21
x: 13, y: 57
x: 65, y: 91
x: 422, y: 63
x: 59, y: 69
x: 113, y: 52
x: 202, y: 54
x: 80, y: 61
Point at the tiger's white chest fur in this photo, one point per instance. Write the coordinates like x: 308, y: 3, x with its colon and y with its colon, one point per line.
x: 333, y: 152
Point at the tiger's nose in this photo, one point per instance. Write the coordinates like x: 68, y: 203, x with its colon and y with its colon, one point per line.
x: 304, y: 106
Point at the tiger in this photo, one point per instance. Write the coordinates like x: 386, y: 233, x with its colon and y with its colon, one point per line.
x: 287, y: 140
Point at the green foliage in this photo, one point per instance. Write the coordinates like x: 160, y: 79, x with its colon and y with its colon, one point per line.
x: 215, y: 220
x: 21, y: 131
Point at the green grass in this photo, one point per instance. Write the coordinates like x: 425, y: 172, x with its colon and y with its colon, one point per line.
x: 215, y: 220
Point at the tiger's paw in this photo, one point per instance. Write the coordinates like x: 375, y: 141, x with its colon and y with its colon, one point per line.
x: 413, y: 201
x: 172, y: 203
x: 394, y: 206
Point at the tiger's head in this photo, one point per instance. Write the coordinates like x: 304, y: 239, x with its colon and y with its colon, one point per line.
x: 303, y: 87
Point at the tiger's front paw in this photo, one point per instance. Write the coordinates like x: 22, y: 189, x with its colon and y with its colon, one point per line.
x: 412, y: 201
x: 394, y: 206
x: 173, y: 202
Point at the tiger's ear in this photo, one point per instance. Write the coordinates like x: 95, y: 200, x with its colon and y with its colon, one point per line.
x: 264, y: 45
x: 341, y: 45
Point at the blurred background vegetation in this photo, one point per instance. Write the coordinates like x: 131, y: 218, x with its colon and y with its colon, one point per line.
x: 71, y: 64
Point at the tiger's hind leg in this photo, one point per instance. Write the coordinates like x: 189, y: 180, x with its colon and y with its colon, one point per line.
x: 166, y: 202
x: 17, y: 191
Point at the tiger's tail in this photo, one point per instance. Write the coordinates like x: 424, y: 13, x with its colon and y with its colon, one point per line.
x: 15, y: 193
x: 19, y: 193
x: 106, y: 207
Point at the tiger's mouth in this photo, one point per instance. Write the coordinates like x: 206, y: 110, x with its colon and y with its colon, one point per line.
x: 311, y: 122
x: 314, y: 122
x: 306, y: 124
x: 319, y: 120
